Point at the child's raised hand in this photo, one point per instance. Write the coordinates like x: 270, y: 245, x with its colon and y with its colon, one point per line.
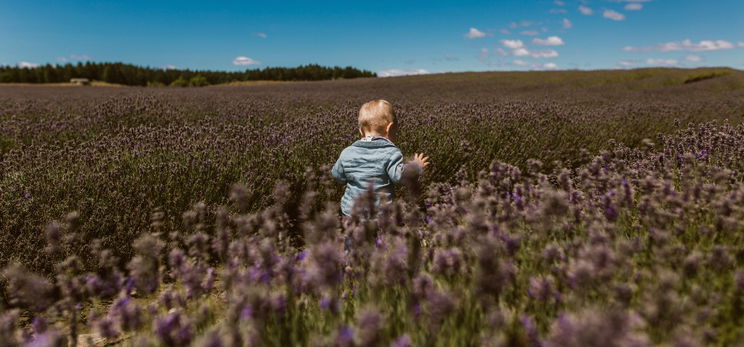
x: 421, y: 160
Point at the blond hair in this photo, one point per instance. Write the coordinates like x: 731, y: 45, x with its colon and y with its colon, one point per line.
x: 376, y: 115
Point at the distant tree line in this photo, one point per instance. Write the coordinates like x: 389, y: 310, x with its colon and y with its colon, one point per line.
x: 133, y: 75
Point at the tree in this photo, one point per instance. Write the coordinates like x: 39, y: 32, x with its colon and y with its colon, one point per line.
x: 128, y: 74
x: 180, y: 82
x: 198, y: 81
x: 107, y: 76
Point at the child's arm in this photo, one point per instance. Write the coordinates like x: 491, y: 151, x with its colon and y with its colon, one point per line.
x: 421, y: 160
x: 396, y: 166
x: 338, y: 172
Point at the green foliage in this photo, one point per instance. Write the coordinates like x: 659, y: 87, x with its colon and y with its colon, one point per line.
x: 6, y: 145
x: 127, y: 74
x: 198, y: 81
x: 705, y: 76
x: 179, y: 82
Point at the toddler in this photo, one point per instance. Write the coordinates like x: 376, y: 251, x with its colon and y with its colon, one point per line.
x: 374, y: 159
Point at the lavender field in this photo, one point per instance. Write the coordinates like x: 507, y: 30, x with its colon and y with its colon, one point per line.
x: 560, y: 209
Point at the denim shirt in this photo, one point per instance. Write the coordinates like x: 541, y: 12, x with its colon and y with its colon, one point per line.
x: 371, y: 160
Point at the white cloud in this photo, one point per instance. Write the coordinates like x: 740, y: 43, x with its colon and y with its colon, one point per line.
x: 521, y: 52
x: 27, y: 64
x: 634, y: 7
x: 740, y: 44
x: 662, y: 62
x: 567, y: 23
x: 242, y: 61
x: 512, y: 44
x: 694, y: 58
x: 550, y: 53
x: 560, y: 3
x: 530, y: 33
x: 627, y: 63
x: 523, y: 24
x: 474, y: 34
x: 558, y: 11
x: 82, y: 57
x: 614, y: 15
x: 550, y: 41
x: 524, y: 52
x: 550, y: 66
x: 501, y: 51
x: 484, y: 54
x: 704, y: 45
x: 685, y: 45
x: 586, y: 10
x: 401, y: 72
x: 505, y: 31
x: 262, y: 35
x: 537, y: 66
x: 169, y: 67
x: 518, y: 48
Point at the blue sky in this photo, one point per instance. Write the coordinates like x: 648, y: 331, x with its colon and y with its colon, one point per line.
x: 388, y: 37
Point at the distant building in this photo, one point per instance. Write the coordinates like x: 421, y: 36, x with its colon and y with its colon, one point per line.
x: 80, y: 81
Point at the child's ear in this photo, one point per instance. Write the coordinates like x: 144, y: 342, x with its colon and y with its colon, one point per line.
x: 388, y: 127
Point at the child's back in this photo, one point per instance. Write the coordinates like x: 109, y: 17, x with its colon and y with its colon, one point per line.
x: 374, y: 159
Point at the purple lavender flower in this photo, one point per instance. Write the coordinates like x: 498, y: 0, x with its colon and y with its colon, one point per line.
x: 51, y: 338
x: 530, y: 329
x: 8, y: 327
x: 402, y: 341
x: 370, y: 324
x: 212, y: 339
x: 128, y: 313
x: 327, y: 264
x: 325, y: 302
x: 175, y: 329
x: 541, y: 288
x: 246, y: 313
x: 105, y: 327
x: 592, y: 327
x: 40, y: 325
x: 344, y: 336
x: 438, y: 306
x: 26, y: 289
x: 739, y: 280
x: 145, y: 266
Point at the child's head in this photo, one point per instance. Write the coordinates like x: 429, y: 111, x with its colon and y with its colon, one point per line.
x: 376, y: 118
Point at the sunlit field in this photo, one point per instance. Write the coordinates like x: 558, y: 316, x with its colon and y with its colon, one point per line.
x: 561, y: 208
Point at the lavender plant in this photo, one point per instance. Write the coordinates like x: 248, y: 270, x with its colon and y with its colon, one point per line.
x: 638, y: 244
